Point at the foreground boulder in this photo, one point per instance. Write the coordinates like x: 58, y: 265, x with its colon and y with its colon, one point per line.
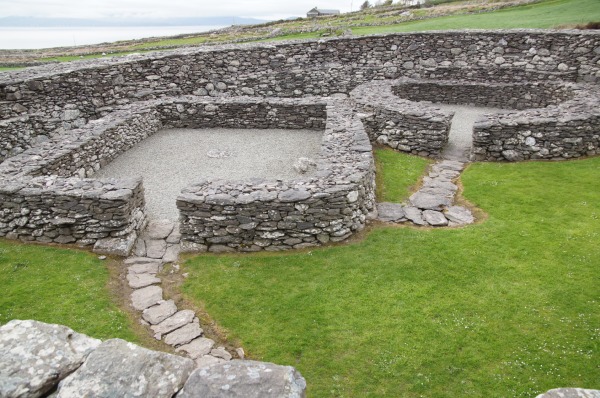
x: 570, y: 393
x: 35, y: 356
x: 247, y: 379
x: 121, y: 369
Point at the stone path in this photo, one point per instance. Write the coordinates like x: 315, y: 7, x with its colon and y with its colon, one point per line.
x: 158, y: 245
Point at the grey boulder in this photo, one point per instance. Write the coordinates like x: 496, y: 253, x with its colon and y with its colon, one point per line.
x: 35, y: 356
x: 121, y: 369
x: 247, y: 379
x: 570, y: 393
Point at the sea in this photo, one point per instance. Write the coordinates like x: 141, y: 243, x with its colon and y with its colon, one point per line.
x: 34, y: 38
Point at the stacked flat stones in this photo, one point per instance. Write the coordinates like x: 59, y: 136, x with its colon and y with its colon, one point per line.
x: 159, y: 243
x: 432, y: 205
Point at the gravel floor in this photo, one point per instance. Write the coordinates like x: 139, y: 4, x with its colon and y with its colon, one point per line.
x: 171, y: 159
x: 461, y: 132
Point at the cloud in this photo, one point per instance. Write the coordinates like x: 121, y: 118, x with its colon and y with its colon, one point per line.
x: 165, y: 9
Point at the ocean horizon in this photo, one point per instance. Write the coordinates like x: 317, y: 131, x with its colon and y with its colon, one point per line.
x: 24, y: 38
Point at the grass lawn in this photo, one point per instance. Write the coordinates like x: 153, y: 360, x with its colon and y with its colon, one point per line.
x: 543, y: 15
x: 54, y: 285
x: 397, y: 175
x: 509, y: 307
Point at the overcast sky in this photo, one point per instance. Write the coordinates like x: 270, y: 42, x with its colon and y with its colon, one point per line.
x: 265, y: 9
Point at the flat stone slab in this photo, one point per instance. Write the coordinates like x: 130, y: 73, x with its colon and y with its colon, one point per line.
x: 248, y: 379
x: 390, y: 212
x: 145, y: 268
x: 184, y: 334
x: 197, y: 348
x: 459, y: 215
x: 35, y: 356
x: 429, y: 202
x: 121, y: 369
x: 221, y: 352
x: 146, y: 297
x: 435, y: 218
x: 159, y: 229
x: 208, y: 360
x: 156, y: 248
x: 140, y: 260
x: 160, y: 312
x: 570, y: 393
x: 171, y: 254
x: 115, y: 246
x: 415, y: 215
x: 137, y: 281
x: 175, y: 321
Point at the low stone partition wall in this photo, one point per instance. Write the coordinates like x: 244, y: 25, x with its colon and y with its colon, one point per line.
x: 420, y: 129
x: 258, y: 215
x: 486, y: 94
x: 45, y: 197
x: 565, y: 131
x: 39, y: 360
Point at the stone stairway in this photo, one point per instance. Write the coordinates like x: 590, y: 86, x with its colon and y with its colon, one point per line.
x: 179, y: 328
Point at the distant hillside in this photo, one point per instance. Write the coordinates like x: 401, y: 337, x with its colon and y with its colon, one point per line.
x: 71, y: 22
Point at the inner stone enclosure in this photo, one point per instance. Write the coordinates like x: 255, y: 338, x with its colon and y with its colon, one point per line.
x: 62, y: 126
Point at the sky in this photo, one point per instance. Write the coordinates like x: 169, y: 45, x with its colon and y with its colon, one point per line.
x: 97, y: 9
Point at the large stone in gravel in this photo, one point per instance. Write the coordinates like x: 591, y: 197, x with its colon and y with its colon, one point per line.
x: 121, y: 369
x: 137, y: 281
x: 184, y: 335
x: 156, y: 248
x: 160, y: 312
x: 35, y: 356
x: 175, y: 321
x: 115, y: 246
x: 248, y: 379
x: 435, y: 218
x: 570, y: 393
x: 146, y: 297
x: 415, y: 215
x: 459, y: 215
x: 159, y: 229
x: 429, y: 202
x: 390, y: 212
x: 197, y: 348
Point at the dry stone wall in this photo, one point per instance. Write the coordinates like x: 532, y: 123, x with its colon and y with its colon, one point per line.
x: 75, y: 92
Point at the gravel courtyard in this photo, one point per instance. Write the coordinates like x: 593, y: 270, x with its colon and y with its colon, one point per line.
x: 171, y: 159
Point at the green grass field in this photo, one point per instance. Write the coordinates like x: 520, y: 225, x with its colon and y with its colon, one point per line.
x: 53, y: 285
x: 505, y: 308
x: 396, y: 175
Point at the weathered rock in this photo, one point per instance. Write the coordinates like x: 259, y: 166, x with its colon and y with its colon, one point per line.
x: 156, y: 248
x: 435, y: 218
x: 208, y: 360
x: 183, y: 335
x: 246, y: 379
x: 459, y: 215
x: 171, y: 254
x: 175, y: 321
x: 429, y: 202
x: 137, y: 281
x: 197, y: 348
x: 160, y: 312
x: 146, y: 297
x: 115, y: 246
x: 35, y: 356
x: 139, y: 260
x: 570, y: 393
x: 121, y: 369
x: 175, y: 235
x: 390, y: 212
